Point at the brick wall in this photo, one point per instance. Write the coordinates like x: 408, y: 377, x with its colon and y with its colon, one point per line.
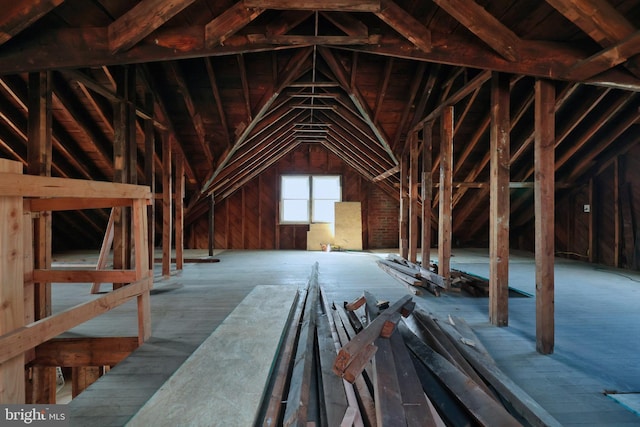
x: 383, y: 219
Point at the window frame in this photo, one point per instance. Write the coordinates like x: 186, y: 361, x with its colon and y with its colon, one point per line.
x: 310, y: 199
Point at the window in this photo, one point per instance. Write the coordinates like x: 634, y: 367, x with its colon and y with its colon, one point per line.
x: 309, y: 198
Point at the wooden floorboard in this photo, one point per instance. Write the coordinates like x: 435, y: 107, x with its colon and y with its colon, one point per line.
x: 597, y: 325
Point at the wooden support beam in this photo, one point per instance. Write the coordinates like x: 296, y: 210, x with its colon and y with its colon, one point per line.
x: 150, y: 175
x: 229, y: 22
x: 76, y: 352
x: 39, y: 156
x: 166, y: 205
x: 499, y: 202
x: 323, y: 5
x: 414, y: 231
x: 445, y: 205
x: 12, y: 270
x: 179, y: 218
x: 427, y: 190
x: 82, y: 377
x: 84, y: 276
x: 20, y: 15
x: 124, y: 169
x: 140, y: 21
x: 212, y: 223
x: 544, y: 213
x: 485, y: 26
x: 404, y: 207
x: 406, y: 25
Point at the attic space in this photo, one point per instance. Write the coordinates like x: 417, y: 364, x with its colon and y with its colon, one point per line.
x: 147, y: 138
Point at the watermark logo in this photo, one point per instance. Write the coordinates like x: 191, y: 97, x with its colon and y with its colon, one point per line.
x: 34, y: 415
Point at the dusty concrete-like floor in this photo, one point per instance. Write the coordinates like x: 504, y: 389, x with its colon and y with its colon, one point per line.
x: 597, y: 327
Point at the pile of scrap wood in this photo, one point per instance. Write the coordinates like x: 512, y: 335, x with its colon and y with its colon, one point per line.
x: 375, y: 363
x: 414, y: 276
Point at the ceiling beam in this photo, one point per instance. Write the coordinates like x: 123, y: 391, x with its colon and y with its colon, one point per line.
x: 406, y: 25
x: 21, y: 14
x: 140, y: 21
x: 608, y: 58
x: 348, y: 23
x: 231, y: 21
x: 601, y: 21
x: 485, y: 26
x: 87, y: 47
x: 328, y: 5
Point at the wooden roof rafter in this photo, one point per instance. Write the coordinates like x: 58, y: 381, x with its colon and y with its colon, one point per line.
x: 22, y: 14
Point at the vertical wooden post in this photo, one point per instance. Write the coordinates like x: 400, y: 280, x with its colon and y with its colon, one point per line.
x: 143, y: 270
x: 499, y: 202
x: 212, y: 224
x: 616, y: 213
x: 427, y: 189
x: 413, y: 198
x: 39, y: 163
x: 404, y: 207
x: 12, y: 316
x: 150, y: 174
x: 166, y: 205
x: 42, y: 383
x: 124, y: 163
x: 82, y: 377
x: 179, y: 224
x: 591, y: 223
x: 446, y: 195
x: 544, y: 213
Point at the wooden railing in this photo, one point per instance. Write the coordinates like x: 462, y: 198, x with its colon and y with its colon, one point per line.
x: 22, y: 195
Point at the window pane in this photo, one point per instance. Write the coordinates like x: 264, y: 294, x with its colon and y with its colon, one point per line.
x: 295, y: 187
x: 323, y: 210
x: 326, y: 187
x: 295, y: 210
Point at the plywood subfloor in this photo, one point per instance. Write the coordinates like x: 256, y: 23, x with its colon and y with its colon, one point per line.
x: 597, y: 321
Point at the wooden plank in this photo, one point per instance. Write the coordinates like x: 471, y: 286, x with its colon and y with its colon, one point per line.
x: 544, y: 213
x: 321, y: 5
x: 29, y: 336
x: 429, y: 331
x: 408, y: 281
x: 105, y: 248
x: 528, y: 408
x: 12, y: 271
x: 44, y: 186
x: 445, y: 200
x: 447, y: 407
x: 296, y: 411
x: 333, y: 398
x: 483, y: 407
x: 409, y: 271
x: 499, y: 202
x: 350, y: 350
x: 274, y: 404
x: 386, y: 385
x: 75, y: 352
x: 84, y: 276
x: 140, y: 21
x: 367, y: 403
x: 415, y: 404
x: 74, y: 203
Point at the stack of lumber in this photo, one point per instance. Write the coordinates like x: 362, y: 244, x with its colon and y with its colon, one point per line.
x: 377, y: 363
x: 414, y: 276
